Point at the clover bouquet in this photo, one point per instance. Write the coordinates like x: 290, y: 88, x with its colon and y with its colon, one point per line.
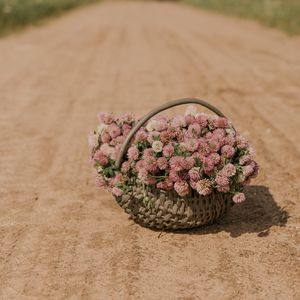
x: 192, y: 153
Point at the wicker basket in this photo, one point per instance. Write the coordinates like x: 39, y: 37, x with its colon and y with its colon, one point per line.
x: 167, y: 210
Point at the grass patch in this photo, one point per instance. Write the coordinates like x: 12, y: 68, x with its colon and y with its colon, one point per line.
x: 15, y: 14
x: 282, y: 14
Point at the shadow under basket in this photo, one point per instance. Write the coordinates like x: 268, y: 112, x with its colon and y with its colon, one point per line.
x: 167, y: 210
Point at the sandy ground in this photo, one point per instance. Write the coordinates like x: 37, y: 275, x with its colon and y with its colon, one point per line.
x: 62, y: 238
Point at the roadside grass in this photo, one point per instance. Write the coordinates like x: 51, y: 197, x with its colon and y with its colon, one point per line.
x: 16, y: 14
x: 282, y: 14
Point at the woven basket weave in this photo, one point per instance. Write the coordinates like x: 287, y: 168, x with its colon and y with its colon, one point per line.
x: 169, y: 211
x: 166, y: 209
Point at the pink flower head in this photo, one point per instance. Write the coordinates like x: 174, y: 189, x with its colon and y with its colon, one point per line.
x: 114, y: 130
x: 181, y: 187
x: 213, y: 145
x: 175, y: 133
x: 189, y: 162
x: 183, y: 146
x: 208, y: 165
x: 159, y: 124
x: 239, y: 197
x: 219, y: 136
x: 157, y: 146
x: 150, y: 164
x: 255, y: 166
x: 179, y: 135
x: 165, y: 136
x: 222, y: 180
x: 198, y: 155
x: 244, y: 160
x: 101, y: 158
x: 126, y: 129
x: 162, y: 163
x: 148, y: 153
x: 133, y: 153
x: 201, y: 119
x: 189, y: 119
x: 220, y: 122
x: 248, y: 171
x: 100, y: 116
x: 120, y: 139
x: 194, y: 129
x: 230, y: 140
x: 126, y: 118
x: 194, y: 174
x: 184, y: 163
x: 223, y: 183
x: 107, y: 150
x: 140, y: 164
x: 105, y: 118
x: 203, y: 148
x: 241, y: 142
x: 204, y: 187
x: 125, y: 166
x: 208, y: 136
x: 141, y: 135
x: 228, y: 170
x: 219, y: 133
x: 177, y: 163
x: 105, y: 137
x: 99, y: 181
x: 192, y: 145
x: 228, y: 151
x: 117, y: 191
x: 187, y: 135
x: 211, y: 121
x: 174, y: 176
x: 168, y: 150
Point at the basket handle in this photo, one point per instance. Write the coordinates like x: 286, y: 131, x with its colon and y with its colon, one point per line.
x: 156, y: 111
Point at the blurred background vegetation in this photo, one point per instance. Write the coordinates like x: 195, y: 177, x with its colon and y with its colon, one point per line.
x: 15, y: 14
x: 283, y: 14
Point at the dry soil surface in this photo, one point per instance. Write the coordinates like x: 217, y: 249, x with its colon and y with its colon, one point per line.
x: 62, y: 238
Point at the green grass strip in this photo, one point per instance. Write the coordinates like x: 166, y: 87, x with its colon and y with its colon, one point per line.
x: 15, y: 14
x: 282, y: 14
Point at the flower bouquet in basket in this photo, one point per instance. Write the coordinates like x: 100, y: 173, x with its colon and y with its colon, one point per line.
x: 172, y: 172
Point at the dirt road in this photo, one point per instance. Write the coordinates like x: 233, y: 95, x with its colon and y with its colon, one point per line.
x: 62, y: 238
